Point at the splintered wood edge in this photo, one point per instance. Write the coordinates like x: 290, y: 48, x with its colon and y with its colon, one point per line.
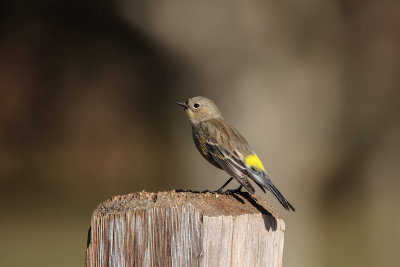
x: 208, y: 204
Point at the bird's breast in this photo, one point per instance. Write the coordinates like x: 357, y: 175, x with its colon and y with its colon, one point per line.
x: 200, y: 140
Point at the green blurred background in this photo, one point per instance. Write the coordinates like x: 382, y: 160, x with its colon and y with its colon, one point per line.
x: 87, y: 111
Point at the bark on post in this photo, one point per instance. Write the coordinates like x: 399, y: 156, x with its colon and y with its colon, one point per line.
x: 185, y: 229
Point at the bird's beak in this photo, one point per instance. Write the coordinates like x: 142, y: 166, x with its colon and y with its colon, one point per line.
x: 182, y: 104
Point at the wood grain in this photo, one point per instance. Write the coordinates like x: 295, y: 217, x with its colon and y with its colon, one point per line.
x: 185, y: 229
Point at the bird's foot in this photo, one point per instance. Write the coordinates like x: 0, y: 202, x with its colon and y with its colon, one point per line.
x: 219, y: 191
x: 234, y: 191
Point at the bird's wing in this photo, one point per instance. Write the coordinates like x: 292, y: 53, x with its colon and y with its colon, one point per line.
x: 232, y: 152
x: 223, y: 146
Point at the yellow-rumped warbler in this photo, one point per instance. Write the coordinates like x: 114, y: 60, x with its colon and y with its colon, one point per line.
x: 225, y: 148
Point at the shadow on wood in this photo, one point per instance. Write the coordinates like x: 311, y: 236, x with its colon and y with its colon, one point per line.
x: 185, y: 228
x: 269, y: 220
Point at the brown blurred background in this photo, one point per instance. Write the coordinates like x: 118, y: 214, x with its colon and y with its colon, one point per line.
x: 87, y: 92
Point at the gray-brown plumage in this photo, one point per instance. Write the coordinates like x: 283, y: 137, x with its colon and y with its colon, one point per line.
x: 225, y: 148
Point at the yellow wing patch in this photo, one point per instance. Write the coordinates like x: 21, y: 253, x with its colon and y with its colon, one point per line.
x: 254, y: 162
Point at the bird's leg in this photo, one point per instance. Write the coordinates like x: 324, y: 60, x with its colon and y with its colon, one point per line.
x: 223, y: 186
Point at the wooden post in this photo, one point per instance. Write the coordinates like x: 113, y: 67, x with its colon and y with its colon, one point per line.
x: 185, y: 229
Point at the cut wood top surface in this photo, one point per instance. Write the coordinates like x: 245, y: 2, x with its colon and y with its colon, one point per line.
x: 209, y: 204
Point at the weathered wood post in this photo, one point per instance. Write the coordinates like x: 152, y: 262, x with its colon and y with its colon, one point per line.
x: 185, y: 229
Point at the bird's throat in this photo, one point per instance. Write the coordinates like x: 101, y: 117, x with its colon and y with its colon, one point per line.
x: 190, y: 114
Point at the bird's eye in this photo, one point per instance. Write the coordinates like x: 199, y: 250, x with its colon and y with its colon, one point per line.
x: 197, y: 105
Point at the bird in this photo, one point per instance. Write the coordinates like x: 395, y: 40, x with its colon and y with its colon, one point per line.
x: 225, y: 148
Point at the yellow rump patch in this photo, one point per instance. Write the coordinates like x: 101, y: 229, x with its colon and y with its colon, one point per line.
x: 254, y: 162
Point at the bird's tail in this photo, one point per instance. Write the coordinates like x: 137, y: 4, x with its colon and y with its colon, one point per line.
x: 278, y: 195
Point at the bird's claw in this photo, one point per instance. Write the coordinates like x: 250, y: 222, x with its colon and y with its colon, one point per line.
x: 219, y: 191
x: 234, y: 191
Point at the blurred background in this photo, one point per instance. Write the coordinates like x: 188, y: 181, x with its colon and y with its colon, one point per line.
x: 87, y: 111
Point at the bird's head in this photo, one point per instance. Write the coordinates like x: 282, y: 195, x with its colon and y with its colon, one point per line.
x: 200, y: 108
